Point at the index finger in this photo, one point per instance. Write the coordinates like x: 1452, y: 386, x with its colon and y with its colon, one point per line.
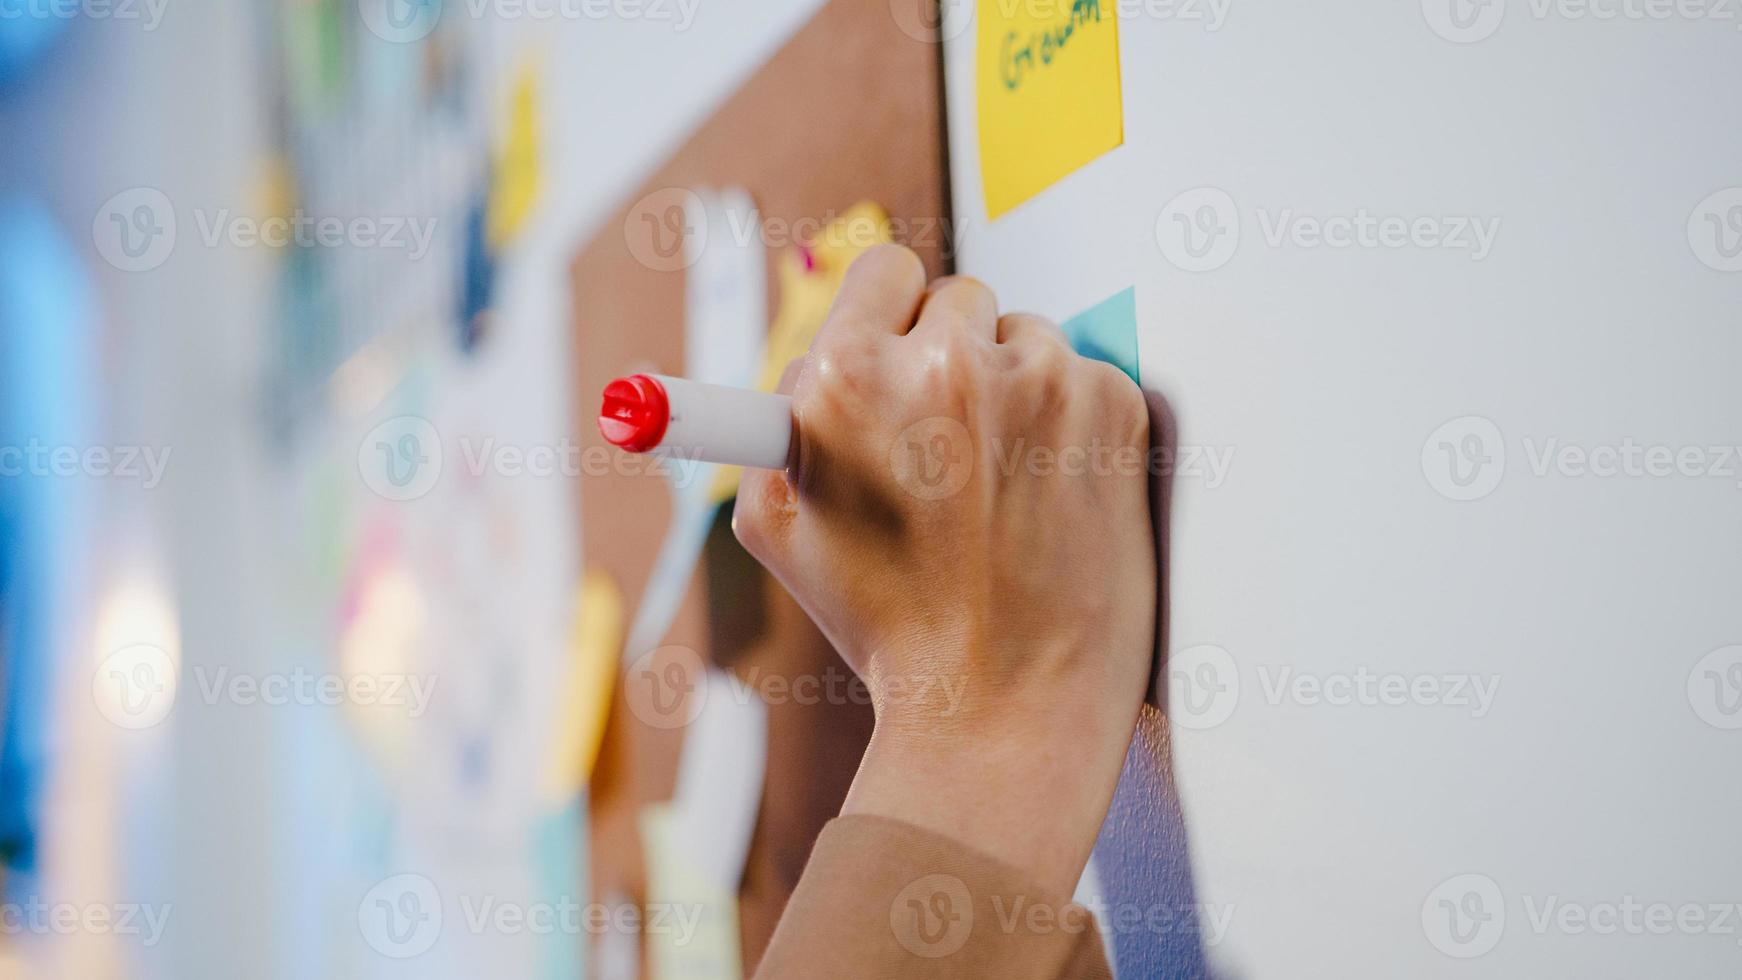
x: 880, y: 295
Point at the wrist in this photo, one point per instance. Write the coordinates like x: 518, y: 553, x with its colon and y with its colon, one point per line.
x: 1030, y: 788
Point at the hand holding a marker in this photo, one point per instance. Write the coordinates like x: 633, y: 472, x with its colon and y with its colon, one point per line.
x: 958, y: 500
x: 962, y: 506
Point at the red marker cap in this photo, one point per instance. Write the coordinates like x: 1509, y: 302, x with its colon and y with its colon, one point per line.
x: 635, y: 413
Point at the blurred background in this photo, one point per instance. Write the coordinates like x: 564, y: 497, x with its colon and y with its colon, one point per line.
x: 214, y: 375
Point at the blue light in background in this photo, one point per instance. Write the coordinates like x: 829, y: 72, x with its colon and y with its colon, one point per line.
x: 26, y: 29
x: 47, y: 315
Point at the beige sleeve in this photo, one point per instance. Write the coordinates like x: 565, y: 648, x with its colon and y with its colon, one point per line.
x: 882, y: 898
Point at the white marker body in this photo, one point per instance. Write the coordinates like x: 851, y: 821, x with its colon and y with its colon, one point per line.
x: 717, y: 424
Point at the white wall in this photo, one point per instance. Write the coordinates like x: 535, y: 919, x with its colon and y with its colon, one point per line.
x: 1596, y: 778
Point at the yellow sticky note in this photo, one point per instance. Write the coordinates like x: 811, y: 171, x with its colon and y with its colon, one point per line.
x: 807, y: 290
x: 275, y: 194
x: 595, y: 646
x: 691, y: 923
x: 515, y: 183
x: 1048, y: 93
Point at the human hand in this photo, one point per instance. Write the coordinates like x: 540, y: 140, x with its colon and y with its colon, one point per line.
x: 966, y: 518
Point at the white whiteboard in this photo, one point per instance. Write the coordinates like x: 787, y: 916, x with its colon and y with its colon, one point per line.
x: 1603, y: 783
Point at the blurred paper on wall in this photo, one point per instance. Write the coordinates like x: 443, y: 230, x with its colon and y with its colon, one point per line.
x: 595, y: 639
x: 696, y: 844
x: 725, y: 312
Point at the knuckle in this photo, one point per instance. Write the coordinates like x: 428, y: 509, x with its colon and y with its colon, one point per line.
x: 979, y: 292
x: 831, y: 365
x: 846, y: 347
x: 952, y: 321
x: 898, y: 262
x: 1121, y: 402
x: 843, y: 369
x: 944, y: 348
x: 1053, y: 358
x: 1046, y: 371
x: 1031, y: 328
x: 892, y: 252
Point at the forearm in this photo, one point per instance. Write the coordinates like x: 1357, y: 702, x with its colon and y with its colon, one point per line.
x: 1032, y: 796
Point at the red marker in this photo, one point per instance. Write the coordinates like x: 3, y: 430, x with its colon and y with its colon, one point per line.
x: 644, y: 413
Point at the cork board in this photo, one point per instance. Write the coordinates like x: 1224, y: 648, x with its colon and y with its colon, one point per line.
x: 849, y: 109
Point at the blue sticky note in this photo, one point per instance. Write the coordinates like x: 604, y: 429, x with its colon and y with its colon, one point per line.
x: 559, y: 872
x: 1107, y: 332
